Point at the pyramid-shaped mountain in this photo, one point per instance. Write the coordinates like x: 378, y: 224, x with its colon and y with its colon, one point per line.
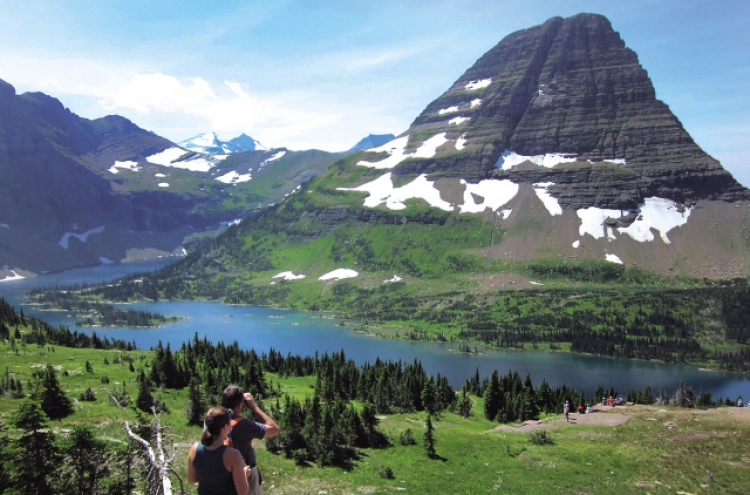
x: 571, y: 91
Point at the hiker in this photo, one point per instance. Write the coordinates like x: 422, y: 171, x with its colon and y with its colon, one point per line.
x: 218, y: 469
x: 580, y: 409
x: 244, y: 430
x: 740, y: 403
x: 589, y: 409
x: 566, y: 410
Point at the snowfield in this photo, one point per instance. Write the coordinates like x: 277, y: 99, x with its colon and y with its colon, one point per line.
x: 393, y: 279
x: 15, y: 276
x: 127, y: 165
x: 159, y: 175
x: 659, y: 214
x: 613, y: 258
x: 339, y: 274
x: 480, y: 84
x: 397, y: 154
x: 382, y: 191
x: 276, y: 156
x: 457, y: 120
x: 234, y: 178
x: 592, y: 221
x: 476, y: 102
x: 576, y: 244
x: 163, y: 184
x: 81, y: 237
x: 447, y: 110
x: 495, y: 193
x: 506, y: 213
x: 510, y: 159
x: 288, y: 276
x: 461, y: 142
x: 166, y: 157
x: 541, y: 190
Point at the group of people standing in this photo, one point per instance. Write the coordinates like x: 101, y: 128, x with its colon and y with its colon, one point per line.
x: 224, y: 461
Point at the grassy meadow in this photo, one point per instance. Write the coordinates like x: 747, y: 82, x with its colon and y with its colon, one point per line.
x: 627, y: 450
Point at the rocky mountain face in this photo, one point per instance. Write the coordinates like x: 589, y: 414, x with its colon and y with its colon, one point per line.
x: 76, y: 191
x: 569, y: 87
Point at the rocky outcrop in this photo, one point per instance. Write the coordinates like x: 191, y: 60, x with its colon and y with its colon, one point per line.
x: 569, y: 86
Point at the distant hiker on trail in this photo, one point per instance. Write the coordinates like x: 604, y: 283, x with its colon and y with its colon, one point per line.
x: 218, y: 469
x: 566, y: 410
x: 244, y: 430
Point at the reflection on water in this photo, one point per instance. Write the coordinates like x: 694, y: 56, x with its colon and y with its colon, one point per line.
x: 303, y: 333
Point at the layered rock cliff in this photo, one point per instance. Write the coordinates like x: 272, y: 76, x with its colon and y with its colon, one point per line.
x: 569, y: 87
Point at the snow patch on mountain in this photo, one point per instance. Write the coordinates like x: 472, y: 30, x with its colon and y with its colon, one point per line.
x: 81, y: 237
x: 163, y: 184
x: 506, y: 213
x: 458, y: 120
x: 393, y: 279
x: 234, y: 177
x: 592, y: 221
x: 382, y: 191
x: 288, y: 276
x: 480, y: 84
x: 495, y: 193
x: 339, y: 274
x: 510, y: 159
x: 659, y: 214
x: 126, y: 165
x: 276, y: 156
x: 447, y: 110
x: 476, y: 102
x: 576, y: 244
x: 429, y: 147
x: 613, y: 258
x: 461, y: 142
x: 15, y: 276
x: 542, y: 192
x: 166, y: 157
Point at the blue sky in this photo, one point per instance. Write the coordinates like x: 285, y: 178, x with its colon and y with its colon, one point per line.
x: 325, y: 73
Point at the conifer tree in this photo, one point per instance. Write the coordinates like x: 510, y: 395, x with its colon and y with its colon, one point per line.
x: 32, y: 456
x: 429, y: 439
x: 55, y: 403
x: 145, y: 400
x: 86, y: 466
x: 492, y: 397
x: 196, y: 406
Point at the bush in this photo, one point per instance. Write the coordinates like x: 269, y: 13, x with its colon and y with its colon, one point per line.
x: 386, y: 472
x: 540, y: 437
x: 406, y: 438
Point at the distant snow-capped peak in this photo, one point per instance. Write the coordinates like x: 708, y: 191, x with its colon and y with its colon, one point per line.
x: 209, y: 142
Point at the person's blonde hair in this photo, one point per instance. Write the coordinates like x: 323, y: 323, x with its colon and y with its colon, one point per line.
x: 216, y: 419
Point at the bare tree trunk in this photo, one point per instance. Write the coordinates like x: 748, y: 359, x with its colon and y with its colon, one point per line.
x: 157, y: 458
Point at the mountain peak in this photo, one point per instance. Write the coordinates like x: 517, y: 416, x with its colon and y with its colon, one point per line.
x: 209, y: 142
x: 372, y: 141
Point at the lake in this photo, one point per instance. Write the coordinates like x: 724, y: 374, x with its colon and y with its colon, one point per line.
x: 303, y: 333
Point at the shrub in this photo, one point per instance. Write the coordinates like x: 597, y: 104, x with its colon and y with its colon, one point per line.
x: 406, y: 438
x: 540, y: 437
x: 386, y: 472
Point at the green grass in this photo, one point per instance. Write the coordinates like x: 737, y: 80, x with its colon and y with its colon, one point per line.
x: 636, y: 457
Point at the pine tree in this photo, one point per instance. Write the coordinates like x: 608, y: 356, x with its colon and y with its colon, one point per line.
x: 32, y: 456
x: 464, y: 404
x: 145, y: 400
x: 429, y: 439
x: 86, y: 465
x: 55, y: 403
x: 196, y: 406
x: 492, y: 397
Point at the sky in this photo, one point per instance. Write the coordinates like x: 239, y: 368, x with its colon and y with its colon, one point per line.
x: 323, y: 74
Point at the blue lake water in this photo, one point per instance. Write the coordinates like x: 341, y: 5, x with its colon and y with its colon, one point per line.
x: 303, y: 333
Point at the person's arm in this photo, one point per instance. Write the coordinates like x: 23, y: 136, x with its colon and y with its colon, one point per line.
x: 238, y: 468
x: 272, y: 429
x: 192, y: 474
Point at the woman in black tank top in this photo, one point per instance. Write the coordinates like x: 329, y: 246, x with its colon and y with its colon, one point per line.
x: 218, y: 469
